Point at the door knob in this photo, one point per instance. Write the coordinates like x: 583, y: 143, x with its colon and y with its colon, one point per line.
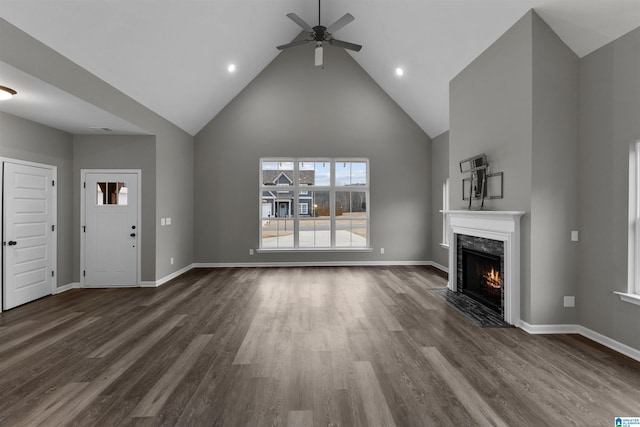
x: 12, y: 243
x: 132, y: 234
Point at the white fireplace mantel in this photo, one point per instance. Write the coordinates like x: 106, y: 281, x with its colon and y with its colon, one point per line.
x: 497, y: 225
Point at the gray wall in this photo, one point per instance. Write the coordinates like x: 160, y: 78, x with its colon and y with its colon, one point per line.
x: 175, y: 199
x: 491, y: 112
x: 609, y: 122
x: 554, y: 171
x: 439, y: 173
x: 174, y: 147
x: 22, y: 139
x: 118, y: 152
x: 517, y: 103
x: 295, y: 109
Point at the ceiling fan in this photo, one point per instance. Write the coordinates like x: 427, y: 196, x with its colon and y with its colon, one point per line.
x: 321, y: 34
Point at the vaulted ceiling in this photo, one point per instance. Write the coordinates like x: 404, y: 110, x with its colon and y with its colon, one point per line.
x: 172, y: 55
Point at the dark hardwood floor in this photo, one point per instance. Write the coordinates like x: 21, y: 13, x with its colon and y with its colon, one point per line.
x: 297, y: 347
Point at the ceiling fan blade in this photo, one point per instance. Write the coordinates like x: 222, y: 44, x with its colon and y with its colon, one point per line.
x: 295, y: 18
x: 346, y: 45
x: 339, y: 23
x: 292, y: 44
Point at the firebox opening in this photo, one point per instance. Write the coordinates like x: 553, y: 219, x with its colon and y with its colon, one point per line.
x: 481, y: 279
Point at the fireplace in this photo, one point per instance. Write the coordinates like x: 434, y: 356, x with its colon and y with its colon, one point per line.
x: 480, y: 265
x: 481, y: 278
x: 490, y: 239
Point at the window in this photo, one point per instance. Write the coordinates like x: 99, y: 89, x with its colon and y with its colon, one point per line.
x: 332, y: 196
x: 111, y: 193
x: 633, y: 286
x: 445, y: 218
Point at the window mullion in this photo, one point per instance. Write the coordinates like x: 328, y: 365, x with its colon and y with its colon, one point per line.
x: 332, y: 201
x: 294, y: 208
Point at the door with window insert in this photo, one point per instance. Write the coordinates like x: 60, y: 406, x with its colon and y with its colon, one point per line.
x: 111, y: 230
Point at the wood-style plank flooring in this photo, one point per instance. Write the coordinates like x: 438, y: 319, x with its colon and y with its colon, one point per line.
x: 295, y: 347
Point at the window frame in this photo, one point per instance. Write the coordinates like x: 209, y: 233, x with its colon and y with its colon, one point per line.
x: 304, y: 189
x: 445, y: 217
x: 633, y: 276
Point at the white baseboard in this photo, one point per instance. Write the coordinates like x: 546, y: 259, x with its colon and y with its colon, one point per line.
x: 611, y: 343
x: 549, y: 329
x: 308, y: 264
x: 585, y: 332
x: 66, y: 288
x: 165, y: 279
x: 148, y: 284
x: 438, y: 266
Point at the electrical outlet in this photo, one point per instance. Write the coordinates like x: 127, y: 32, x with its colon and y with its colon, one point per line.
x: 574, y: 236
x: 382, y: 251
x: 570, y: 301
x: 171, y: 260
x: 250, y: 251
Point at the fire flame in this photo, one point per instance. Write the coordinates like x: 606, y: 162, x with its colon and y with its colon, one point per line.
x: 492, y: 279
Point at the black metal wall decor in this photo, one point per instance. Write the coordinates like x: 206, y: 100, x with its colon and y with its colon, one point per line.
x: 481, y: 184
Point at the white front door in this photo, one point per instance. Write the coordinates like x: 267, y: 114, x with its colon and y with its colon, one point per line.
x: 27, y: 234
x: 111, y: 229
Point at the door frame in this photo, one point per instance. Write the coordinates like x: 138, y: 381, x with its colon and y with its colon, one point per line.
x: 54, y: 221
x: 83, y: 236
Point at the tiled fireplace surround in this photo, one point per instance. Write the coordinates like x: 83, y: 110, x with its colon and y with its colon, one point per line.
x: 503, y: 226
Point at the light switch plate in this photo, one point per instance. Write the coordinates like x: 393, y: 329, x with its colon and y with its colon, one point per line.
x: 574, y: 236
x: 570, y: 301
x: 163, y: 221
x: 168, y: 221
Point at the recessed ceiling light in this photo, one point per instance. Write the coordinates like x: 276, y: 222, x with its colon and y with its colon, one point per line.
x: 399, y: 72
x: 231, y: 68
x: 6, y: 93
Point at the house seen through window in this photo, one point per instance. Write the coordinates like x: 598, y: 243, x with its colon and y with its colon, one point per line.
x: 331, y: 196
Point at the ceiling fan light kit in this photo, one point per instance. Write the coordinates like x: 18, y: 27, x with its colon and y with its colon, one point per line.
x: 321, y: 34
x: 318, y: 57
x: 6, y: 93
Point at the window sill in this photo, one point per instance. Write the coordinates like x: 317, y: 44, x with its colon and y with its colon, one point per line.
x: 444, y: 245
x: 310, y: 250
x: 630, y: 298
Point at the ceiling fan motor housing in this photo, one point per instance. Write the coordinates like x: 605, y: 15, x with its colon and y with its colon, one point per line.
x: 319, y: 33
